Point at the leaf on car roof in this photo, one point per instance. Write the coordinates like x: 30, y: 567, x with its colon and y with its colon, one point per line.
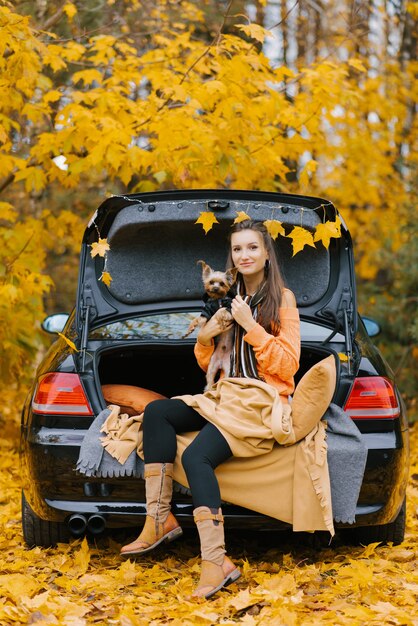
x: 324, y: 232
x: 241, y: 217
x: 106, y: 278
x: 99, y: 248
x: 275, y: 228
x: 300, y: 238
x: 207, y: 219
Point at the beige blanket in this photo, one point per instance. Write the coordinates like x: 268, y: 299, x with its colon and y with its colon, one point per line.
x: 249, y: 413
x: 269, y: 473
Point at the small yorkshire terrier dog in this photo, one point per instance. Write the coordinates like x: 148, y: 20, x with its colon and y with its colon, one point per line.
x: 218, y: 300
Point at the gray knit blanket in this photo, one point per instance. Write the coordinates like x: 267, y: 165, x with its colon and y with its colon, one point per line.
x: 94, y: 460
x: 347, y: 456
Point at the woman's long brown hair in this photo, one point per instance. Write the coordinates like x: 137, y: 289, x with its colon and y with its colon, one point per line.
x: 269, y: 316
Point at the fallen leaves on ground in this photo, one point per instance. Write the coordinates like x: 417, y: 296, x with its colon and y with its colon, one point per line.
x: 285, y: 582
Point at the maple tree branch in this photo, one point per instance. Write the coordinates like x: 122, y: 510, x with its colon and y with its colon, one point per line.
x: 10, y: 178
x: 87, y: 33
x: 51, y: 21
x: 214, y: 40
x: 297, y: 130
x: 7, y: 181
x: 212, y: 43
x: 333, y: 51
x: 10, y: 264
x: 285, y: 17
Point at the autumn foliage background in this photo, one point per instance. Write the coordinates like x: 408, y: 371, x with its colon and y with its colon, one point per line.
x: 116, y: 96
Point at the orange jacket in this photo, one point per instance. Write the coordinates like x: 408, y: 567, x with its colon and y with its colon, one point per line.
x: 277, y: 355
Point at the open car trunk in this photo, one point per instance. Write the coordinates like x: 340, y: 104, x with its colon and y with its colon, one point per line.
x: 169, y: 369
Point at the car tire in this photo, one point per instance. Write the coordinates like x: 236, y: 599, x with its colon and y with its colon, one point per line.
x: 393, y: 532
x: 39, y: 532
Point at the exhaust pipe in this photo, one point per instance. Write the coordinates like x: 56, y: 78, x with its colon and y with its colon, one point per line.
x: 77, y: 524
x: 96, y: 524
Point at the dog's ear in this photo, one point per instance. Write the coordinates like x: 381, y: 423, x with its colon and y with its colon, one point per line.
x: 206, y: 270
x: 231, y: 275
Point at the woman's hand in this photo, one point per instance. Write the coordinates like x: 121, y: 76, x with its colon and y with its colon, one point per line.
x: 241, y: 313
x: 218, y: 323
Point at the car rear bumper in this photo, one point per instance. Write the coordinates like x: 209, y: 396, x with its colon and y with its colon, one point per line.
x: 55, y: 490
x: 127, y: 514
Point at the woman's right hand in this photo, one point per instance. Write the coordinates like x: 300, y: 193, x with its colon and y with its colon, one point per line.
x: 218, y: 323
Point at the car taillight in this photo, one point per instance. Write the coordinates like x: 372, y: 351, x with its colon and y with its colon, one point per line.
x: 61, y: 394
x: 372, y: 397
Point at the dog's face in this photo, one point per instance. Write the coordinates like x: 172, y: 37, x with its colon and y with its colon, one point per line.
x: 216, y: 283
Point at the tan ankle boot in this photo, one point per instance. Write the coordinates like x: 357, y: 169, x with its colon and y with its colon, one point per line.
x: 217, y: 569
x: 160, y: 524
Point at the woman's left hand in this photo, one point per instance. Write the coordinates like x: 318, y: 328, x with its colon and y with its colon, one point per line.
x: 241, y: 313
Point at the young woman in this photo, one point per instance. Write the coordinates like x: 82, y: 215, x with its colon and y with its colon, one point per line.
x: 266, y: 353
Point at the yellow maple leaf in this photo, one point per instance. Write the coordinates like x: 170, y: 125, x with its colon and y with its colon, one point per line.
x: 370, y: 549
x: 216, y: 86
x: 241, y: 217
x: 106, y: 278
x: 324, y: 232
x: 300, y: 238
x: 69, y: 342
x: 54, y: 58
x: 207, y: 219
x: 7, y: 212
x: 242, y: 600
x: 82, y: 558
x: 64, y: 582
x: 52, y: 96
x: 176, y: 92
x: 100, y: 247
x: 70, y: 10
x: 274, y: 227
x: 412, y: 8
x: 87, y: 76
x: 16, y: 585
x: 357, y: 64
x: 34, y: 177
x: 343, y: 357
x: 255, y: 31
x: 305, y: 175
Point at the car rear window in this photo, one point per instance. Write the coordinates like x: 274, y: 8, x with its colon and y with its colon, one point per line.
x: 156, y: 326
x: 173, y: 326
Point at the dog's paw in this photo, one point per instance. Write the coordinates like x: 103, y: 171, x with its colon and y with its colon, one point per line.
x: 198, y: 321
x: 224, y: 318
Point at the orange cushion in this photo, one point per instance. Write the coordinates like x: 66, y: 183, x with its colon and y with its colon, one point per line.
x: 313, y: 395
x: 131, y: 399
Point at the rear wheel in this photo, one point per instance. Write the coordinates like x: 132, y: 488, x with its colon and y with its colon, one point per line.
x: 394, y: 532
x: 38, y: 532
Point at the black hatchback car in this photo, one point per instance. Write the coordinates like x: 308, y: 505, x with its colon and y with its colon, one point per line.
x: 131, y: 331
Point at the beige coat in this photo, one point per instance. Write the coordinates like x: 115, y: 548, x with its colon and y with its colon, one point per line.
x: 273, y: 476
x: 289, y: 483
x: 249, y: 413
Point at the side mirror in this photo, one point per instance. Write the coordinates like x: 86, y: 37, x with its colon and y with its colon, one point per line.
x: 372, y: 327
x: 55, y: 323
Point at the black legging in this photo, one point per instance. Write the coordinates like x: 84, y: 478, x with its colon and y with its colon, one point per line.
x: 163, y: 419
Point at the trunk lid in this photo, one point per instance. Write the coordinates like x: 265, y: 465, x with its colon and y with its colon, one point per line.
x: 155, y: 243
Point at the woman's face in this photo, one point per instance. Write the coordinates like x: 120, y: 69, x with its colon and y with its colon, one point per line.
x: 249, y: 253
